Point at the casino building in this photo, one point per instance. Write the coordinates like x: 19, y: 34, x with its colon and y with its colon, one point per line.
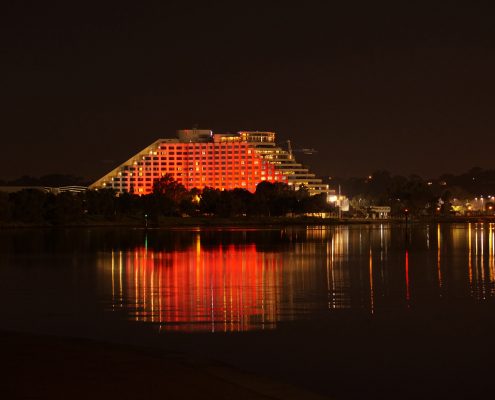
x: 199, y: 158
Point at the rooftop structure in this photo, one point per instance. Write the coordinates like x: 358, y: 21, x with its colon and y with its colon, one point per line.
x: 199, y: 158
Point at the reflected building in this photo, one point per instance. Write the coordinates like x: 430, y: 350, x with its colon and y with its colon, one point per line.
x: 221, y: 289
x: 214, y: 288
x: 481, y: 268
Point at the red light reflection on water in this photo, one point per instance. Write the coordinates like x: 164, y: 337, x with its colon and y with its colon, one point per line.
x: 240, y: 287
x: 408, y: 294
x: 225, y: 288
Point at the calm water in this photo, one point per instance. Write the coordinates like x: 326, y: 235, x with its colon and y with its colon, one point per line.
x: 219, y: 280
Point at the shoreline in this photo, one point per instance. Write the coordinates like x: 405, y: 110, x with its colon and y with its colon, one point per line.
x: 258, y: 222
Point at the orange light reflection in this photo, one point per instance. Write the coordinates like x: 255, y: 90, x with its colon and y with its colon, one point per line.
x: 408, y: 295
x: 225, y: 288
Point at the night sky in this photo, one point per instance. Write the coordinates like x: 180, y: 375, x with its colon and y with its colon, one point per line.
x: 404, y: 86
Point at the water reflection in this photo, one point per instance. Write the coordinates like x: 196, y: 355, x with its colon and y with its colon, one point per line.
x: 242, y: 280
x: 481, y: 260
x: 224, y: 288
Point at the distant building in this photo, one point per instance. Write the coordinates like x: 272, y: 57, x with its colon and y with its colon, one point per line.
x: 478, y: 205
x: 199, y: 158
x: 380, y: 212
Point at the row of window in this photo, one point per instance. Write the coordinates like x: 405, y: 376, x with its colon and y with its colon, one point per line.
x: 196, y: 146
x: 198, y: 153
x: 203, y: 181
x: 223, y: 170
x: 192, y: 161
x: 209, y: 160
x: 209, y: 174
x: 179, y: 156
x: 198, y: 172
x: 172, y: 166
x: 235, y: 169
x: 197, y: 175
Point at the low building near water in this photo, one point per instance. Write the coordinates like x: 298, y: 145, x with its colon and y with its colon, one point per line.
x: 379, y: 212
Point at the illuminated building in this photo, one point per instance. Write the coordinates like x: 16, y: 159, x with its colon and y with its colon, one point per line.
x: 199, y: 158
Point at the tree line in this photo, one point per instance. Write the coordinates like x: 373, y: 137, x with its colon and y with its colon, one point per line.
x: 51, y: 180
x: 413, y: 193
x: 168, y: 199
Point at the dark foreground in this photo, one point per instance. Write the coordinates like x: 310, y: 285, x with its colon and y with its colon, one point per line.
x: 46, y: 367
x: 436, y: 355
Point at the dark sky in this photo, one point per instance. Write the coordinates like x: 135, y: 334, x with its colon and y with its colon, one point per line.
x: 404, y: 85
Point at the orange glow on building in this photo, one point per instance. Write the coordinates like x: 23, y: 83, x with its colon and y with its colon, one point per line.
x: 200, y: 158
x: 199, y: 165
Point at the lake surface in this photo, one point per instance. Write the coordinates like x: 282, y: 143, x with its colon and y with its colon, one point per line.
x: 116, y: 284
x: 221, y: 280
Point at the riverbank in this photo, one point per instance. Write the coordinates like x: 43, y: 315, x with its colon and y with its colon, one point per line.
x: 173, y: 222
x: 49, y: 367
x: 255, y: 222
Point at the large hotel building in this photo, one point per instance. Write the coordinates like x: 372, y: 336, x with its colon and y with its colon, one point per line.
x: 200, y: 158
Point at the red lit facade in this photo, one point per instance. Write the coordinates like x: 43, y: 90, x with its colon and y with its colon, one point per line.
x: 199, y: 165
x: 228, y: 162
x: 199, y: 158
